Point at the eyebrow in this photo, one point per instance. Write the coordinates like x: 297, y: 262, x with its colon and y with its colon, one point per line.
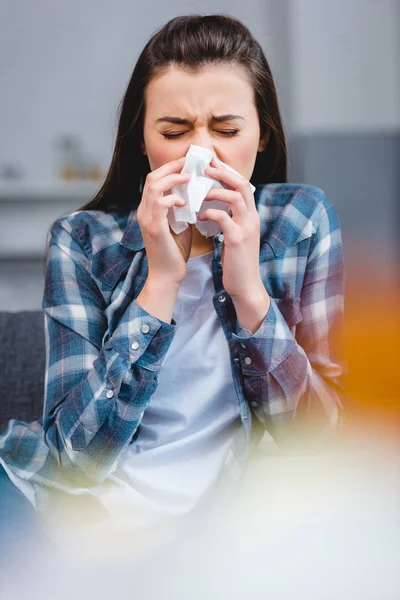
x: 179, y: 121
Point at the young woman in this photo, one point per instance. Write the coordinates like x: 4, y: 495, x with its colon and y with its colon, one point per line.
x: 169, y: 355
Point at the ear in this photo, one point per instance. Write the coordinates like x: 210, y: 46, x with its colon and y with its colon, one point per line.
x: 143, y: 148
x: 263, y: 142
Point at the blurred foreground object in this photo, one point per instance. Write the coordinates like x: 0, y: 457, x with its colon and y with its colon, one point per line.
x: 321, y: 527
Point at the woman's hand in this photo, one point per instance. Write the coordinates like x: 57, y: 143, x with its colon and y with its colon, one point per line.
x: 166, y: 251
x: 241, y: 247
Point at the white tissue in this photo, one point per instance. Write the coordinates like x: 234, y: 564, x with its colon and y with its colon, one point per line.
x: 194, y: 192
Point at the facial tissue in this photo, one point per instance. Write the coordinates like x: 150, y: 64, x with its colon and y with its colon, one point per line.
x: 194, y: 192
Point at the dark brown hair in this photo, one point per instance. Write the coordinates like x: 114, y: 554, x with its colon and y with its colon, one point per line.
x: 191, y: 42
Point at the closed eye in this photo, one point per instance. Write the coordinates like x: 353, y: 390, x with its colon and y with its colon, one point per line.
x: 170, y: 136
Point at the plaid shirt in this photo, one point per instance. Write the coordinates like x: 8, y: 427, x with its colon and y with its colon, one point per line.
x: 104, y: 352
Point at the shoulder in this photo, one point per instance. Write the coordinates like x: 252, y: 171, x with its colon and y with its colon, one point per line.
x: 93, y: 239
x: 292, y: 212
x: 92, y: 230
x: 308, y: 200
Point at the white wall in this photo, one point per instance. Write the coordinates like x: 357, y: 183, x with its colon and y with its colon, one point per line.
x: 344, y: 57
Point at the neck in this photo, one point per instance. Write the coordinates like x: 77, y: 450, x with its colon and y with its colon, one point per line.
x: 200, y: 244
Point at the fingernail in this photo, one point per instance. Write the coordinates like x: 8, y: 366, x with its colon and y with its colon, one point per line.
x: 182, y: 159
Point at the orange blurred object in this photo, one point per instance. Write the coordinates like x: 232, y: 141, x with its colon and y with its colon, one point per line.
x: 371, y: 345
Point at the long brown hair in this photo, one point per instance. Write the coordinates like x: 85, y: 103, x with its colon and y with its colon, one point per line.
x: 190, y: 42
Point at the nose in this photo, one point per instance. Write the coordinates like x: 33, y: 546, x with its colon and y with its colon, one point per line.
x: 204, y: 140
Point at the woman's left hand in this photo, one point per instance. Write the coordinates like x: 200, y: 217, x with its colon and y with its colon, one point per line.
x: 241, y: 246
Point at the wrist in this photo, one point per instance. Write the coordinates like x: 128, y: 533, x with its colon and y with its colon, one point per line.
x: 158, y: 299
x: 251, y: 296
x: 161, y: 286
x: 252, y: 309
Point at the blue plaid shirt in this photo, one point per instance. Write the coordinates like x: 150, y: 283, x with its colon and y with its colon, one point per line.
x: 104, y: 352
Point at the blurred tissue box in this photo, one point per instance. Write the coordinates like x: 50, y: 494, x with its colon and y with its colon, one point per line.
x: 194, y: 192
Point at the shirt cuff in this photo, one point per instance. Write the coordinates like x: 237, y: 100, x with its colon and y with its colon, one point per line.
x: 264, y: 350
x: 142, y: 338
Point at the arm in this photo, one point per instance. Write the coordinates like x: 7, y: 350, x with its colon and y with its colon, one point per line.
x: 294, y: 381
x: 98, y: 381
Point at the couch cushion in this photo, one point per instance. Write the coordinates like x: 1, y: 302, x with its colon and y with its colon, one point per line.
x: 22, y: 365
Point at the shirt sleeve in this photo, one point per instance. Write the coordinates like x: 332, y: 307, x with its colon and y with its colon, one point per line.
x: 292, y: 376
x: 97, y: 382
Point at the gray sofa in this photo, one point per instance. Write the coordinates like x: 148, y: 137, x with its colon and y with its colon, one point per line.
x: 22, y: 366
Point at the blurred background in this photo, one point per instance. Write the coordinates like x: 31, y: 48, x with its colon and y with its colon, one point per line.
x: 64, y: 67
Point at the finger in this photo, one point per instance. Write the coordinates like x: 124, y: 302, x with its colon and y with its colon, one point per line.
x: 166, y: 183
x: 232, y: 198
x: 234, y: 181
x: 158, y: 211
x: 228, y: 227
x: 167, y: 168
x: 157, y: 188
x: 168, y: 202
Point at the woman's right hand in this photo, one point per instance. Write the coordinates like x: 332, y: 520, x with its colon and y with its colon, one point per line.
x: 166, y: 251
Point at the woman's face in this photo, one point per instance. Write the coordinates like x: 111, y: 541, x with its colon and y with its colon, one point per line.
x: 185, y: 106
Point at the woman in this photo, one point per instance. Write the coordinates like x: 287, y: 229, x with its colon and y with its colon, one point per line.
x: 168, y: 355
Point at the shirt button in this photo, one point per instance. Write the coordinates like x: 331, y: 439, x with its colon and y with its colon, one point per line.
x: 253, y: 403
x: 243, y: 345
x: 109, y: 393
x: 221, y: 237
x: 221, y: 298
x: 145, y: 328
x: 135, y: 345
x: 236, y: 360
x: 220, y: 263
x: 248, y: 360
